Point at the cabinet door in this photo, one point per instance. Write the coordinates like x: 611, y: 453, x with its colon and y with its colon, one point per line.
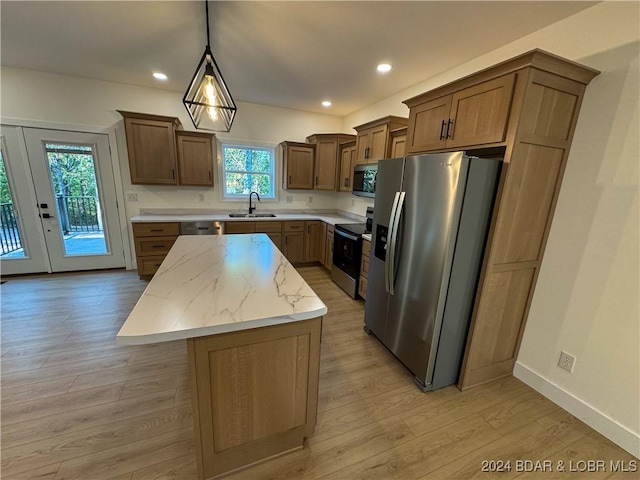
x: 346, y: 169
x: 298, y: 167
x: 293, y: 247
x: 328, y: 254
x: 276, y: 238
x: 313, y: 241
x: 195, y: 158
x: 378, y: 143
x: 428, y: 125
x: 480, y: 113
x: 363, y: 141
x: 326, y: 164
x: 398, y: 144
x: 152, y: 151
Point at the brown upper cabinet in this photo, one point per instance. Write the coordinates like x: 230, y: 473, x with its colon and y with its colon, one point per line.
x: 347, y: 162
x: 473, y: 116
x: 298, y: 165
x: 151, y: 144
x: 398, y: 143
x: 373, y: 140
x: 161, y: 153
x: 195, y: 158
x: 327, y: 159
x: 525, y: 110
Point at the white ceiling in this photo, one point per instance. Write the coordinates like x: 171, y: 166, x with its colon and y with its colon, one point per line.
x: 287, y: 54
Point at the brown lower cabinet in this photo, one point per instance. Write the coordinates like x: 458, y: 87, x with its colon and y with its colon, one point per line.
x: 328, y: 248
x: 301, y: 241
x: 364, y: 268
x: 254, y: 393
x: 152, y: 243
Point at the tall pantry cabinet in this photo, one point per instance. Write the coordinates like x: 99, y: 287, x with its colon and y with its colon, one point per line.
x: 524, y: 110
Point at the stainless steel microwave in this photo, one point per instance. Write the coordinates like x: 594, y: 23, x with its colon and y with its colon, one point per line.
x: 364, y: 180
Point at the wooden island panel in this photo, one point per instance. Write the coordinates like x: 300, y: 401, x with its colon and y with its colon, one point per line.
x: 255, y: 394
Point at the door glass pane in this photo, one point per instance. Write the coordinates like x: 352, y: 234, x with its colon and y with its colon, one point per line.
x: 77, y: 197
x: 10, y: 243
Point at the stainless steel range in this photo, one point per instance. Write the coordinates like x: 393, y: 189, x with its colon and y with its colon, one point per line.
x: 347, y: 251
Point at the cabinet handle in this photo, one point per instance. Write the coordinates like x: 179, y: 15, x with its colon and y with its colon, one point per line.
x: 285, y: 240
x: 449, y: 123
x: 289, y: 178
x: 346, y: 181
x: 308, y: 229
x: 316, y: 180
x: 156, y: 230
x: 366, y: 152
x: 173, y: 173
x: 209, y: 174
x: 442, y: 129
x: 157, y: 246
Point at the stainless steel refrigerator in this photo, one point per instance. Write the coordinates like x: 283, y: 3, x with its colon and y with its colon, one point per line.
x: 430, y: 223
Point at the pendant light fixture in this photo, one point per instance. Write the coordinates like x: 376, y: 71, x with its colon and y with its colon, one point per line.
x: 208, y: 99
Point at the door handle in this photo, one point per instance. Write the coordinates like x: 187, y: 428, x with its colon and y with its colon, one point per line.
x: 394, y: 238
x: 387, y: 259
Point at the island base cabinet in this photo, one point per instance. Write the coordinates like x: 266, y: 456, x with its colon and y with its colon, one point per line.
x: 255, y: 394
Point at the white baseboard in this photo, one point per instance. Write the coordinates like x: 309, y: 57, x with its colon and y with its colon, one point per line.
x: 617, y: 433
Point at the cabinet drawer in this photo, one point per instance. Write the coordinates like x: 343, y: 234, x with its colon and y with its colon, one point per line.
x: 366, y: 248
x: 364, y: 268
x: 240, y: 227
x: 295, y: 226
x: 268, y: 227
x: 362, y: 287
x: 330, y: 229
x: 149, y: 265
x: 154, y: 245
x: 155, y: 229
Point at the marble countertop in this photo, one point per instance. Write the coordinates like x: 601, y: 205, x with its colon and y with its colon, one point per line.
x: 211, y: 284
x: 366, y: 236
x: 330, y: 218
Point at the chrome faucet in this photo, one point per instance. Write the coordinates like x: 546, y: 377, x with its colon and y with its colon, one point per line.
x: 252, y: 208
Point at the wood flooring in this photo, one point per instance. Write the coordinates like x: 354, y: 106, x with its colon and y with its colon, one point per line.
x: 77, y: 406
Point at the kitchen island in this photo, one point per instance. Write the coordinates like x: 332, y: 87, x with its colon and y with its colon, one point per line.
x: 252, y: 326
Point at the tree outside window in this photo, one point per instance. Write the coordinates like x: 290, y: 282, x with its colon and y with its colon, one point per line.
x: 248, y: 169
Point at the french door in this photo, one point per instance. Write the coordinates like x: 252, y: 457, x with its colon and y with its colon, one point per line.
x: 72, y: 203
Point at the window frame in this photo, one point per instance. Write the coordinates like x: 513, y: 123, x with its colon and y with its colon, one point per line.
x: 222, y: 143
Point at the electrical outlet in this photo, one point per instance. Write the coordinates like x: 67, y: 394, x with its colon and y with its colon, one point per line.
x: 201, y: 197
x: 310, y: 199
x: 566, y: 361
x: 132, y: 197
x: 289, y: 199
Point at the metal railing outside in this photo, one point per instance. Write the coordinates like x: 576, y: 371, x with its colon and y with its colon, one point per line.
x: 9, y: 235
x: 79, y: 214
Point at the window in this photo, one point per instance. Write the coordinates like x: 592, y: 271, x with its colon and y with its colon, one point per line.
x: 247, y: 169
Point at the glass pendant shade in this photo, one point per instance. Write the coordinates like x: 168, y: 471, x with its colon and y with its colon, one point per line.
x: 208, y: 99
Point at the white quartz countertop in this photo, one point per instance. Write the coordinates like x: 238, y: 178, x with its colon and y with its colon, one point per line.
x: 330, y: 218
x: 211, y: 284
x: 366, y: 236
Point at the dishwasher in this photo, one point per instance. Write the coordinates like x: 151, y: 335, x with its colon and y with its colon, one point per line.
x: 202, y: 228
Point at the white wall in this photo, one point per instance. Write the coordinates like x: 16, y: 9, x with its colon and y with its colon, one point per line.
x: 79, y: 102
x: 586, y: 299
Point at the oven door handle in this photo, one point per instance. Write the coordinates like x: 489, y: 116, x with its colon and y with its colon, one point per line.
x: 355, y: 238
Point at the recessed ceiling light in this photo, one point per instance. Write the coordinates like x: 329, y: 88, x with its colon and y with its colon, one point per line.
x: 159, y: 76
x: 383, y: 67
x: 326, y: 103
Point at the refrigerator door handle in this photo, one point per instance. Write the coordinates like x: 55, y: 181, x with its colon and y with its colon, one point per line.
x: 389, y: 234
x: 391, y: 252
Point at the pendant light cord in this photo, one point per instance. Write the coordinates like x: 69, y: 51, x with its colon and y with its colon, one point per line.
x: 206, y: 9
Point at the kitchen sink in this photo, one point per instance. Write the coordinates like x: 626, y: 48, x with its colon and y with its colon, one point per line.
x: 251, y: 215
